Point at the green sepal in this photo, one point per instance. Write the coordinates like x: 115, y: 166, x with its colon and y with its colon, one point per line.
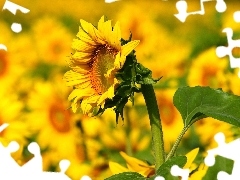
x: 144, y: 75
x: 130, y: 76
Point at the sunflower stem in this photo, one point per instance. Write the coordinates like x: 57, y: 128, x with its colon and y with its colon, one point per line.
x: 155, y: 122
x: 177, y: 142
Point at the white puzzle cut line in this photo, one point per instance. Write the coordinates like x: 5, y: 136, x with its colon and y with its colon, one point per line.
x: 2, y: 46
x: 111, y: 1
x: 181, y: 6
x: 236, y: 16
x: 222, y: 51
x: 159, y: 178
x: 12, y: 7
x: 177, y: 171
x: 11, y: 170
x: 228, y: 150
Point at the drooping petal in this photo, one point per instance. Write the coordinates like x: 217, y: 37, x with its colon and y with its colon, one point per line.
x: 78, y: 94
x: 82, y: 46
x: 80, y: 67
x: 73, y: 78
x: 82, y: 57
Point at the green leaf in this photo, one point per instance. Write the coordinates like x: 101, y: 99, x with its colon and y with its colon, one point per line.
x: 127, y: 176
x: 221, y: 164
x: 164, y: 169
x: 195, y: 103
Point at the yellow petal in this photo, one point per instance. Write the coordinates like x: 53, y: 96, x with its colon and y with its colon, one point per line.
x: 74, y: 107
x: 110, y: 92
x: 85, y: 25
x: 96, y: 35
x: 80, y: 93
x: 117, y: 63
x: 101, y: 24
x: 103, y: 97
x: 92, y: 99
x: 82, y: 57
x: 79, y: 67
x: 116, y: 37
x: 82, y: 46
x: 107, y: 30
x: 117, y: 168
x: 200, y: 173
x: 190, y: 157
x: 83, y: 36
x: 127, y: 48
x: 134, y: 164
x: 86, y: 108
x: 73, y: 78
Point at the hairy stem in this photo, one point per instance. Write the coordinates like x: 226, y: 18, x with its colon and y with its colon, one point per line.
x: 177, y: 142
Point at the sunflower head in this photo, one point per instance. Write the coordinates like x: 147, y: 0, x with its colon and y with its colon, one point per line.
x: 104, y: 69
x: 99, y: 55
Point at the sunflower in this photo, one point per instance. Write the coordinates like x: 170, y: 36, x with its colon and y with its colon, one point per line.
x: 48, y: 108
x: 98, y: 56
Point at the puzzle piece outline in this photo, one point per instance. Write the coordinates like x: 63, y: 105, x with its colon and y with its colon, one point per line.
x: 10, y: 169
x: 181, y: 7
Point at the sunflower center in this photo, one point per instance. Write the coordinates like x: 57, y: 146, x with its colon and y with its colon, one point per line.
x: 103, y: 61
x: 59, y: 118
x: 3, y: 61
x: 209, y: 76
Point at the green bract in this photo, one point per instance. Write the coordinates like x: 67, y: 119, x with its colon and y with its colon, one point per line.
x: 131, y: 75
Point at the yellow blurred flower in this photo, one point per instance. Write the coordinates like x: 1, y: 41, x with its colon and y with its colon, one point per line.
x: 52, y: 40
x: 131, y: 134
x: 172, y: 123
x: 133, y: 165
x: 234, y: 81
x: 228, y: 17
x: 53, y: 122
x: 137, y: 142
x: 208, y: 70
x: 158, y: 49
x: 207, y: 128
x: 11, y: 112
x: 10, y: 65
x: 98, y: 56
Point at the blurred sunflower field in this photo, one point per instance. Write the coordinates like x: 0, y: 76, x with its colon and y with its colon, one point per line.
x: 34, y: 97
